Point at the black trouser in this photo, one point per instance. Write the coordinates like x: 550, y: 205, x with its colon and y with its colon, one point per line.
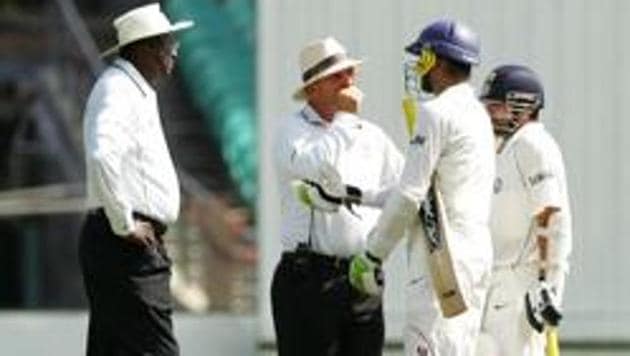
x: 128, y: 292
x: 317, y: 312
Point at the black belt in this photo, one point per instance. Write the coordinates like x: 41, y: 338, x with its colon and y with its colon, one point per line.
x: 158, y: 227
x: 332, y: 262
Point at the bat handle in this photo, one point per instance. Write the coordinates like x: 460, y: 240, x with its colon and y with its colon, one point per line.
x: 409, y: 108
x: 552, y: 348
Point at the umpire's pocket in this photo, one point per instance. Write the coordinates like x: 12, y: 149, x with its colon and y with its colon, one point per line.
x: 154, y: 288
x: 148, y: 271
x: 140, y: 260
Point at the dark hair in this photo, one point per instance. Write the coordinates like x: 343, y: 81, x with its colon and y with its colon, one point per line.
x: 127, y: 52
x: 154, y: 42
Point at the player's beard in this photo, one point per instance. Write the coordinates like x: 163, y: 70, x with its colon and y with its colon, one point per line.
x: 425, y: 84
x: 502, y: 127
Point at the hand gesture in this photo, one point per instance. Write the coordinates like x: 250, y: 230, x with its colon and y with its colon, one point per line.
x: 349, y: 99
x: 143, y: 235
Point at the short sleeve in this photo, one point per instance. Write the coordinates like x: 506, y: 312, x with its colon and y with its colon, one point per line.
x: 540, y: 178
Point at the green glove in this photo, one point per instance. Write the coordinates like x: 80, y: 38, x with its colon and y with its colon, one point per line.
x: 313, y: 195
x: 366, y: 275
x: 308, y: 194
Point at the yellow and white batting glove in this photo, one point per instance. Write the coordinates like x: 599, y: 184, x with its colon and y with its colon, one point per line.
x: 314, y: 195
x: 307, y: 194
x: 366, y: 274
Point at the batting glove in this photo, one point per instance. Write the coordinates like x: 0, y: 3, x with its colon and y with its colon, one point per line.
x: 308, y: 195
x: 542, y: 306
x: 366, y: 275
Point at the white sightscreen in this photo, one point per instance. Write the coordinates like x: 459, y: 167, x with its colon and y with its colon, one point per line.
x: 581, y: 51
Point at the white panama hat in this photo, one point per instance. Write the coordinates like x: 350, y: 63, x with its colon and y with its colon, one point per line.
x: 320, y: 59
x: 143, y: 22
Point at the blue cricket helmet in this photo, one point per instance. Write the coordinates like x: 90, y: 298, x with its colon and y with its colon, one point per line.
x: 449, y: 39
x: 514, y: 83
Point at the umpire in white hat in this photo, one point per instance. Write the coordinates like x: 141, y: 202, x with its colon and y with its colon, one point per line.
x: 133, y: 193
x: 315, y: 310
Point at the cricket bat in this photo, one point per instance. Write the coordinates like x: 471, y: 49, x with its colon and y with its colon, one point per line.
x: 434, y: 221
x: 440, y: 262
x: 551, y: 333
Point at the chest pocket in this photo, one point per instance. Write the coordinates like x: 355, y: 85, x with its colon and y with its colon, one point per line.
x: 362, y: 165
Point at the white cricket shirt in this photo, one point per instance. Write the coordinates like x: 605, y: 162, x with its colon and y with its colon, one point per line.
x: 129, y: 167
x: 530, y: 176
x: 453, y: 140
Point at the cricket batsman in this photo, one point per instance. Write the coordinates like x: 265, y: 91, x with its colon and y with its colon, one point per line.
x: 451, y: 153
x: 531, y: 219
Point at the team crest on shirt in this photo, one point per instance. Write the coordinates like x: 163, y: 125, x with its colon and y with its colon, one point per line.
x: 498, y: 185
x: 418, y: 140
x: 422, y: 346
x: 539, y: 177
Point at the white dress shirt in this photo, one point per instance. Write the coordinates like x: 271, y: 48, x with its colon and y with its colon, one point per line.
x: 363, y: 155
x: 530, y: 176
x: 129, y: 167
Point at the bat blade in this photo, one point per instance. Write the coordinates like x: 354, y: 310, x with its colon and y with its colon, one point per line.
x: 445, y: 283
x: 443, y: 276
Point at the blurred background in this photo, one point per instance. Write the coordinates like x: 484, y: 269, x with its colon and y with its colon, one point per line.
x: 236, y: 72
x: 49, y: 59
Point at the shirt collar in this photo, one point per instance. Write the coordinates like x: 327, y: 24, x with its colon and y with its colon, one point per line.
x: 130, y: 70
x: 532, y: 125
x: 312, y: 117
x: 463, y: 88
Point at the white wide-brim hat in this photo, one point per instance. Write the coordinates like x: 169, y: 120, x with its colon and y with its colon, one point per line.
x: 320, y: 59
x: 143, y: 22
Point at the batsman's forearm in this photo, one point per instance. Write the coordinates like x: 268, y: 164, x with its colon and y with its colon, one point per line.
x: 390, y: 228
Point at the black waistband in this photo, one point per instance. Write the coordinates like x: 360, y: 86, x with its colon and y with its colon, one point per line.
x: 158, y: 227
x: 314, y: 257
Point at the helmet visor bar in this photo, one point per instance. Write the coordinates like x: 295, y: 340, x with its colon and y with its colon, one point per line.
x: 521, y: 102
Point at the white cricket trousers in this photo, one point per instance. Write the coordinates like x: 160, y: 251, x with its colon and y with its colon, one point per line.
x: 505, y: 329
x: 428, y: 333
